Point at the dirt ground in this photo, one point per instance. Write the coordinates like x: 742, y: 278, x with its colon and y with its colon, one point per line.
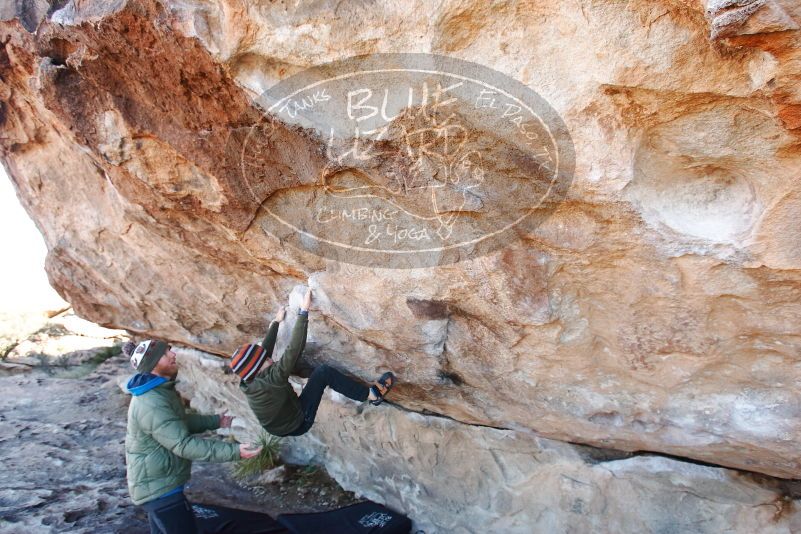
x: 62, y: 433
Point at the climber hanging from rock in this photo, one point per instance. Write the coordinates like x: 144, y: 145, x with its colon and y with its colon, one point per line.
x: 279, y: 410
x: 160, y: 443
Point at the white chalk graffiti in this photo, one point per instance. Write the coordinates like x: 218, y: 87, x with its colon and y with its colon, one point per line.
x: 425, y: 160
x: 432, y: 166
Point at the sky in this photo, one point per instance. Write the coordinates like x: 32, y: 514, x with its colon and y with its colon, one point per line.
x: 23, y: 282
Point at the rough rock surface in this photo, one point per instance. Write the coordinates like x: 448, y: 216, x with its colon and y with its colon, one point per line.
x: 63, y: 454
x: 62, y: 432
x: 453, y: 477
x: 657, y: 309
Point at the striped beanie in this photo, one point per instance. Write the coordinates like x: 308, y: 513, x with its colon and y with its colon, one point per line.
x: 247, y: 360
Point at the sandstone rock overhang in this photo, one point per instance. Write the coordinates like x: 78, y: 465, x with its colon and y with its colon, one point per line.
x: 658, y: 308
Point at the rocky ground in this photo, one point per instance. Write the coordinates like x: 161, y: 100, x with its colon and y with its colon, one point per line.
x: 62, y: 432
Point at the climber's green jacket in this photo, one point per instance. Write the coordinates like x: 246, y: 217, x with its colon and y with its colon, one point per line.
x: 159, y: 445
x: 269, y: 393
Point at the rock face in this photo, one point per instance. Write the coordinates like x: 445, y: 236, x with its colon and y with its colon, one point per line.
x: 452, y: 477
x: 655, y: 307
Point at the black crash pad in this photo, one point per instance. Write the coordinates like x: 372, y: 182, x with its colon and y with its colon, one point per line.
x: 363, y: 518
x: 222, y: 520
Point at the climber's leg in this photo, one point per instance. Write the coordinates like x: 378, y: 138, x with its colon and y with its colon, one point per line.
x: 322, y: 377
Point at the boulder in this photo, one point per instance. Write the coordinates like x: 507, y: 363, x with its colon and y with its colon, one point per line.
x: 454, y: 477
x: 654, y: 306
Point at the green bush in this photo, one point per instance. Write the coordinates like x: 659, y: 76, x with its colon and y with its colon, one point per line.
x: 107, y: 352
x: 266, y: 459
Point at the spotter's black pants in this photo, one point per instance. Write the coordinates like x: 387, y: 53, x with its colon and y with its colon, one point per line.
x: 171, y: 515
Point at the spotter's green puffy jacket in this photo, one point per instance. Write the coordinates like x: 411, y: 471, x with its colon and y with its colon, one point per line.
x: 160, y: 445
